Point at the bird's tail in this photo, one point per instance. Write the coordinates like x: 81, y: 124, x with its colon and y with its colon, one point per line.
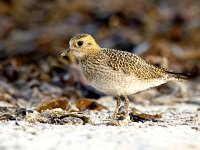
x: 179, y: 76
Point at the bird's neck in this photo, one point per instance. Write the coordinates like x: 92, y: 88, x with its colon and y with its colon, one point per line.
x: 90, y: 53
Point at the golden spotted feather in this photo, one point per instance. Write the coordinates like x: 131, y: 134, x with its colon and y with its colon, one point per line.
x: 132, y: 65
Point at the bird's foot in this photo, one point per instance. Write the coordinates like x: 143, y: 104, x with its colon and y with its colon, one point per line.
x: 124, y: 122
x: 120, y: 121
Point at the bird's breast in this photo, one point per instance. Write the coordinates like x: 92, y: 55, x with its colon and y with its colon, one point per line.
x: 106, y: 80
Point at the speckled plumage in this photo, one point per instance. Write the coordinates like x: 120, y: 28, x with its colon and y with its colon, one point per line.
x: 116, y: 72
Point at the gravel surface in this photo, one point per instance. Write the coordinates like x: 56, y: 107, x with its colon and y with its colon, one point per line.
x: 177, y: 129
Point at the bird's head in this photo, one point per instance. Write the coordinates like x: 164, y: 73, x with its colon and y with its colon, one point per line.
x: 81, y: 45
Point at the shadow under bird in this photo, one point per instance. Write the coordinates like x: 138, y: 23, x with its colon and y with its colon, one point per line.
x: 117, y: 73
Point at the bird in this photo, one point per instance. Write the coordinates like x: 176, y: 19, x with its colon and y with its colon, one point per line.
x: 117, y: 73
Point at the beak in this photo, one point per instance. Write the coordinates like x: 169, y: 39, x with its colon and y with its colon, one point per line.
x: 66, y: 52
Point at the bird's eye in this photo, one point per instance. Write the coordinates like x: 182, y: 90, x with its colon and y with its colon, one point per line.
x: 80, y: 43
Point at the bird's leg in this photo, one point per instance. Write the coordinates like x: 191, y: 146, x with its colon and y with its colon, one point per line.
x: 126, y: 119
x: 126, y: 104
x: 114, y: 116
x: 113, y: 120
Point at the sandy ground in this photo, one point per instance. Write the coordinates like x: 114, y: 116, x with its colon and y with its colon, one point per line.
x: 177, y: 129
x: 42, y: 136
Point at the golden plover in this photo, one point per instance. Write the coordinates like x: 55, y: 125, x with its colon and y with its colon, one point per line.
x: 117, y: 73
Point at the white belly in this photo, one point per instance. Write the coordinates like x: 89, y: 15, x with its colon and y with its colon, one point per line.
x: 120, y: 84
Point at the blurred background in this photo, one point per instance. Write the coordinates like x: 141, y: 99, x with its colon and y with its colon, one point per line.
x: 33, y: 33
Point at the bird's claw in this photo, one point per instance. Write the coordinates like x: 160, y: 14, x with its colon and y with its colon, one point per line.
x: 120, y: 121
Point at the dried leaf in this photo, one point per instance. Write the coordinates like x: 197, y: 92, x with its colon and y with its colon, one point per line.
x: 11, y: 113
x: 84, y: 104
x: 136, y: 117
x: 81, y: 116
x: 62, y: 103
x: 7, y: 117
x: 58, y: 116
x: 71, y: 121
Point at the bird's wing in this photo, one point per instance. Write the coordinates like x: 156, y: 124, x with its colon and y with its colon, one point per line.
x: 131, y: 64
